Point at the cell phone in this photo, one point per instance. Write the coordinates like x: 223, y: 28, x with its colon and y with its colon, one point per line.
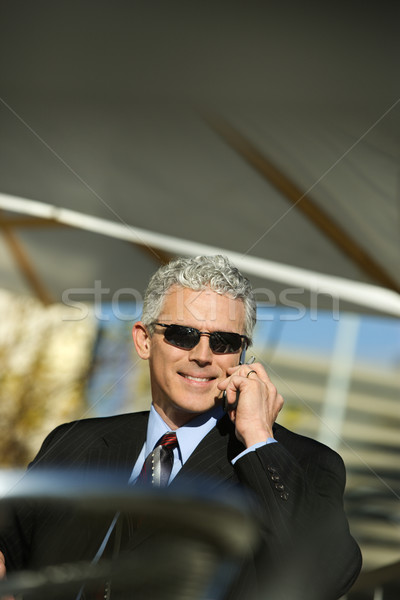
x: 224, y: 399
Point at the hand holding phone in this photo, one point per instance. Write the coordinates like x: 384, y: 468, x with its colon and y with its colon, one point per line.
x: 228, y: 407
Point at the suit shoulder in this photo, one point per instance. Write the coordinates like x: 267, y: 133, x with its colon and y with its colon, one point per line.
x: 305, y: 448
x: 98, y: 425
x: 67, y: 439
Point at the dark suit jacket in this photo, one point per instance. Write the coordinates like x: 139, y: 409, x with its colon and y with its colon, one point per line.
x: 299, y: 484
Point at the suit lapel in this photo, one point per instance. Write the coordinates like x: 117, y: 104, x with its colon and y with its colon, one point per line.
x: 118, y: 450
x: 211, y: 461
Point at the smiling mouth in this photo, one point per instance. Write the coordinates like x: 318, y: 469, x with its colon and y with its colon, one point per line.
x: 199, y: 379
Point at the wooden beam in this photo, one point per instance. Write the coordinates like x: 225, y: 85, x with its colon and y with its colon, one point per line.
x: 156, y: 254
x: 33, y: 222
x: 302, y: 202
x: 25, y: 265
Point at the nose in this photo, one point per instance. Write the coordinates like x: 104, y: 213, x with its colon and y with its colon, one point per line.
x: 202, y: 353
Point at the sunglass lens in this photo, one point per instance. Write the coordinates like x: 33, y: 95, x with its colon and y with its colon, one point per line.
x: 181, y: 337
x: 225, y: 342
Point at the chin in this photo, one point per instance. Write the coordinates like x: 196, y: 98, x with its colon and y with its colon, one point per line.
x: 197, y: 407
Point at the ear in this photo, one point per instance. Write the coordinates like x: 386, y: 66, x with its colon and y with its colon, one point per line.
x: 141, y: 339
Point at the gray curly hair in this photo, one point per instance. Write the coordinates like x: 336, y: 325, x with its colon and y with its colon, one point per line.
x: 214, y: 272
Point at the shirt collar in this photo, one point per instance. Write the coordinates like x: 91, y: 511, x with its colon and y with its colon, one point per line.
x: 189, y: 436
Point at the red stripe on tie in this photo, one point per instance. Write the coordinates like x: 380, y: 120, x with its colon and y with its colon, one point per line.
x: 168, y: 440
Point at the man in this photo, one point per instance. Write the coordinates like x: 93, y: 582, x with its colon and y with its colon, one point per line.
x: 198, y: 318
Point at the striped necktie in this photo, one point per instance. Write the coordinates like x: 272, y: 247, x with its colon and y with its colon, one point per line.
x: 157, y: 467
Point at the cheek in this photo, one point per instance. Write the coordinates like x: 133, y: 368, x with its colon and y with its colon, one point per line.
x: 229, y: 361
x: 161, y: 351
x: 164, y: 358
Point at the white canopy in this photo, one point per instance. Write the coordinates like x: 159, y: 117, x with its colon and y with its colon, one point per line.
x: 266, y: 133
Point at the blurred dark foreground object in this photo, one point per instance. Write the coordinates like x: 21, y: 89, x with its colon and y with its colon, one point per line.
x: 185, y: 545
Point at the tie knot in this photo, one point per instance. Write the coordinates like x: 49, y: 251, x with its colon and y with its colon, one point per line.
x: 168, y: 440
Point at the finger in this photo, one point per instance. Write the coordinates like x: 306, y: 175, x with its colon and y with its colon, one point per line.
x: 236, y: 377
x: 257, y: 370
x: 231, y: 392
x: 2, y: 566
x: 280, y: 402
x: 244, y: 370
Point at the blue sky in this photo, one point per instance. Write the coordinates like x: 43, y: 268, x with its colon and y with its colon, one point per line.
x: 378, y: 336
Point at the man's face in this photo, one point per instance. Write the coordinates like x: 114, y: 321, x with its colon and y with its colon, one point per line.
x: 184, y: 382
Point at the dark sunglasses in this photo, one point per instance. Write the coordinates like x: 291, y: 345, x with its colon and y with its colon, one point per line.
x: 221, y: 342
